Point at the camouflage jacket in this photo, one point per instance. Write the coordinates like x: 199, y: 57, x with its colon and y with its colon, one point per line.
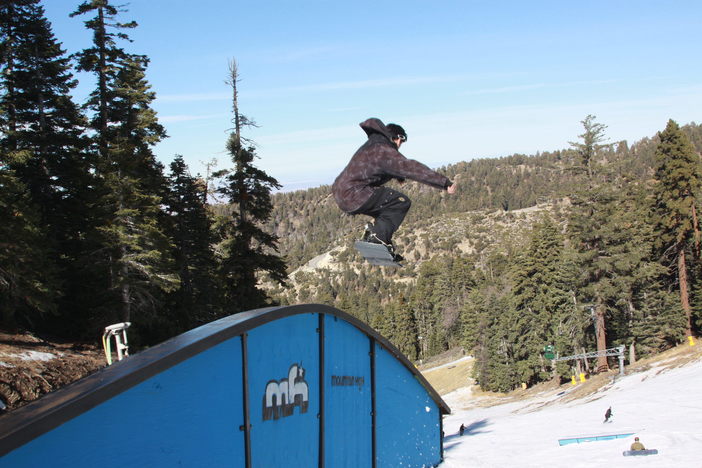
x: 375, y: 163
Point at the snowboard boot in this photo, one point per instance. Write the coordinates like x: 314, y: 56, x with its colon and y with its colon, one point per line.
x: 368, y: 233
x: 396, y: 257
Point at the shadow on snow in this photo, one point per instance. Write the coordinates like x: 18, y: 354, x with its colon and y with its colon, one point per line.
x: 471, y: 429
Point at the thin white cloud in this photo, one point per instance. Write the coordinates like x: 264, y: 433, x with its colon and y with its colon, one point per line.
x: 692, y: 90
x: 194, y: 97
x: 302, y: 54
x: 317, y: 87
x: 511, y: 89
x: 188, y: 118
x: 329, y: 134
x: 377, y: 83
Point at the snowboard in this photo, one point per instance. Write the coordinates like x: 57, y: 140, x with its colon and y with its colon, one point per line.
x: 376, y: 254
x: 629, y: 453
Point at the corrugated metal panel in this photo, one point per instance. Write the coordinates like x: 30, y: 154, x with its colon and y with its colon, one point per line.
x: 348, y: 418
x: 408, y: 420
x: 166, y: 420
x: 284, y: 389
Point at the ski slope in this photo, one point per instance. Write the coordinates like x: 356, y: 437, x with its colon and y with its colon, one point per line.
x: 662, y: 406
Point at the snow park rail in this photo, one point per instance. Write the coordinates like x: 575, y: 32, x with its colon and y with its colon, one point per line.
x: 593, y: 438
x: 296, y: 386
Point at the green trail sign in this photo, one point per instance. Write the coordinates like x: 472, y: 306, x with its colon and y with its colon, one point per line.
x: 549, y: 352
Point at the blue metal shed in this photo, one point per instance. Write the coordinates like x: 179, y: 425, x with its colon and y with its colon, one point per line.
x: 297, y: 386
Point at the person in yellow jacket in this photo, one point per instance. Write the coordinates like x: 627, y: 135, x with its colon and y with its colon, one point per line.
x: 637, y: 445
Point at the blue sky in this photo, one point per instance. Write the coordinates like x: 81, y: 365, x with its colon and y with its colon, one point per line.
x: 466, y: 79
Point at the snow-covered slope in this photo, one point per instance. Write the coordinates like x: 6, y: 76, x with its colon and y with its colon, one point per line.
x: 662, y: 406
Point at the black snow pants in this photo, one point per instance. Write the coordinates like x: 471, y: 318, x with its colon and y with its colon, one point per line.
x: 389, y: 208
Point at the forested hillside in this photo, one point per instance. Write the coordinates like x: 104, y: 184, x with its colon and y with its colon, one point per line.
x: 309, y: 222
x: 534, y: 250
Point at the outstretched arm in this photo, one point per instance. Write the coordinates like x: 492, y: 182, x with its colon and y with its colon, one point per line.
x: 394, y: 164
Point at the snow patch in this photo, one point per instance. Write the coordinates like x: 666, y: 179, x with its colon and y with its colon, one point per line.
x: 32, y: 356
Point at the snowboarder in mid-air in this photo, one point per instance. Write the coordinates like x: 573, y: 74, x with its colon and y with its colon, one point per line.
x: 608, y: 414
x: 359, y: 188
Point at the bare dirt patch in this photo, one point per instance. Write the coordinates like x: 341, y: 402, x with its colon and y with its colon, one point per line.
x: 450, y: 377
x: 31, y: 367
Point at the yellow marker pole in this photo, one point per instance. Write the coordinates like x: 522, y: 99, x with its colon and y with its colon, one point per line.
x: 572, y: 380
x: 582, y: 376
x: 691, y: 339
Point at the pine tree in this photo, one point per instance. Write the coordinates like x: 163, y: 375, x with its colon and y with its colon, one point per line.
x: 495, y: 368
x: 28, y: 282
x: 104, y: 59
x: 43, y: 129
x: 247, y: 248
x: 541, y: 300
x: 135, y: 252
x: 588, y: 149
x: 677, y: 192
x: 38, y: 115
x: 590, y: 226
x: 405, y: 335
x: 196, y: 300
x: 425, y: 305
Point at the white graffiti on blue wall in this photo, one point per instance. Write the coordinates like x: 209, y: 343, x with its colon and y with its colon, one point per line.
x: 282, y: 396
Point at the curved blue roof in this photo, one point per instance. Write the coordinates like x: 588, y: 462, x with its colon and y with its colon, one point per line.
x: 52, y: 410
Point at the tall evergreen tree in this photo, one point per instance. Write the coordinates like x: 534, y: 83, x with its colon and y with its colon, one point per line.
x: 425, y: 303
x: 595, y: 232
x: 405, y: 335
x: 677, y: 192
x: 40, y: 122
x: 495, y: 368
x: 104, y: 59
x: 196, y: 299
x: 135, y: 256
x: 38, y: 114
x: 590, y: 226
x: 28, y: 282
x: 591, y: 144
x: 542, y: 301
x: 247, y: 249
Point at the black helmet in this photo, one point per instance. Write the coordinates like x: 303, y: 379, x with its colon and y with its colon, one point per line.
x: 397, y: 132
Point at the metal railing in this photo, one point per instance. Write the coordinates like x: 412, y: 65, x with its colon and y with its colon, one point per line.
x: 618, y: 351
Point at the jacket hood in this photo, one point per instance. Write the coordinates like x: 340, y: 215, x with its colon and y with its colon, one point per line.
x: 375, y: 126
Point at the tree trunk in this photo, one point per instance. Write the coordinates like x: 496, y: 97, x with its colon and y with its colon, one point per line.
x: 126, y: 306
x: 696, y: 228
x: 100, y: 34
x: 632, y: 354
x: 684, y: 295
x: 601, y: 332
x: 586, y: 364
